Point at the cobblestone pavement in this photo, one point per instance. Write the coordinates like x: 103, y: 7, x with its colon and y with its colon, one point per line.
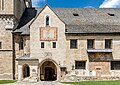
x: 38, y: 83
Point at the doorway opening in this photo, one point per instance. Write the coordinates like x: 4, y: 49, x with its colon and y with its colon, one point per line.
x: 26, y: 71
x: 48, y: 71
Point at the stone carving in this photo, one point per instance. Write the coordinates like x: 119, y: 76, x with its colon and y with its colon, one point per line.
x: 48, y: 54
x: 7, y: 21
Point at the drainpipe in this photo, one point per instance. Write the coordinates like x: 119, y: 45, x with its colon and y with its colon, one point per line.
x: 13, y: 55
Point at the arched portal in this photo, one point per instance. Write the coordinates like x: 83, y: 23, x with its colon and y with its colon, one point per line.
x: 26, y: 71
x: 48, y: 71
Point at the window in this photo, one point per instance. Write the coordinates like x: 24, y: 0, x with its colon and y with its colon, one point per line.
x: 21, y: 45
x: 75, y: 14
x: 47, y: 21
x: 42, y: 45
x: 111, y: 14
x: 73, y: 43
x: 66, y: 30
x: 115, y: 65
x: 80, y: 64
x: 0, y: 45
x: 54, y: 44
x: 90, y: 43
x: 1, y: 4
x: 108, y: 44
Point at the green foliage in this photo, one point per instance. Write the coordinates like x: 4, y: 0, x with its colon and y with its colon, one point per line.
x: 7, y: 81
x: 94, y: 83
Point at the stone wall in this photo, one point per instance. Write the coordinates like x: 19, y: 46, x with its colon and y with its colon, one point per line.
x: 6, y: 68
x: 20, y: 52
x: 12, y: 7
x: 7, y: 7
x: 81, y: 53
x: 6, y: 64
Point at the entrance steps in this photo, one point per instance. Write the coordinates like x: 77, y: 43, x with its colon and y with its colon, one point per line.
x: 50, y: 83
x: 29, y: 79
x: 26, y: 79
x: 38, y: 83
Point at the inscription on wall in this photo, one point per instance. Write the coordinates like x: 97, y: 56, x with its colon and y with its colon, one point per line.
x: 48, y: 54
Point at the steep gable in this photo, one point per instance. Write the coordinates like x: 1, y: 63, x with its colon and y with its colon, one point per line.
x: 89, y: 20
x: 46, y: 7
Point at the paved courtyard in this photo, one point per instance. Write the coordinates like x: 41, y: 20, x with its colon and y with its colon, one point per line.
x: 38, y: 83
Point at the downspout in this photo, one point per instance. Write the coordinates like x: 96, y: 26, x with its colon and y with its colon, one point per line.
x: 13, y: 55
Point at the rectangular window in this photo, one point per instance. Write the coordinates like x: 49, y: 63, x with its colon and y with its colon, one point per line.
x: 42, y: 45
x: 90, y: 43
x: 54, y: 44
x: 0, y: 45
x: 1, y: 4
x: 115, y: 65
x: 21, y: 45
x: 108, y: 43
x: 73, y: 43
x: 80, y: 64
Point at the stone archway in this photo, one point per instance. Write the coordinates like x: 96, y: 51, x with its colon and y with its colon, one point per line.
x: 48, y: 71
x: 26, y: 70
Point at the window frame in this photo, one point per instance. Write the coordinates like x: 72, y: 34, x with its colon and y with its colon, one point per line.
x: 21, y: 44
x: 113, y: 63
x: 71, y: 44
x: 1, y: 4
x: 93, y: 44
x: 42, y: 45
x: 110, y: 43
x: 47, y: 21
x: 54, y: 43
x: 78, y: 66
x: 0, y: 45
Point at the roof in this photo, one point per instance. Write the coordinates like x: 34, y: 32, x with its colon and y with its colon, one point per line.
x: 89, y: 20
x: 26, y: 57
x: 28, y: 16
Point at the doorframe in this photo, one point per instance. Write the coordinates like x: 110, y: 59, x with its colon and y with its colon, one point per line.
x: 27, y: 68
x: 58, y: 71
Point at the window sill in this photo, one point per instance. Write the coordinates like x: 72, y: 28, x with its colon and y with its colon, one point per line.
x: 115, y: 70
x: 21, y: 49
x: 5, y: 50
x: 80, y: 69
x: 73, y: 48
x: 99, y: 50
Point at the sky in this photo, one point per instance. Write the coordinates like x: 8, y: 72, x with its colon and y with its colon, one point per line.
x: 77, y: 3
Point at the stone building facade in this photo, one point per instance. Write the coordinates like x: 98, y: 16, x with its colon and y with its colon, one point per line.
x: 64, y: 44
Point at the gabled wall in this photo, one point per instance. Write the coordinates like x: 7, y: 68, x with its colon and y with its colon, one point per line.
x: 57, y: 54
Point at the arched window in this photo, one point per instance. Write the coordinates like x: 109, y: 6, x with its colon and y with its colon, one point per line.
x: 47, y: 21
